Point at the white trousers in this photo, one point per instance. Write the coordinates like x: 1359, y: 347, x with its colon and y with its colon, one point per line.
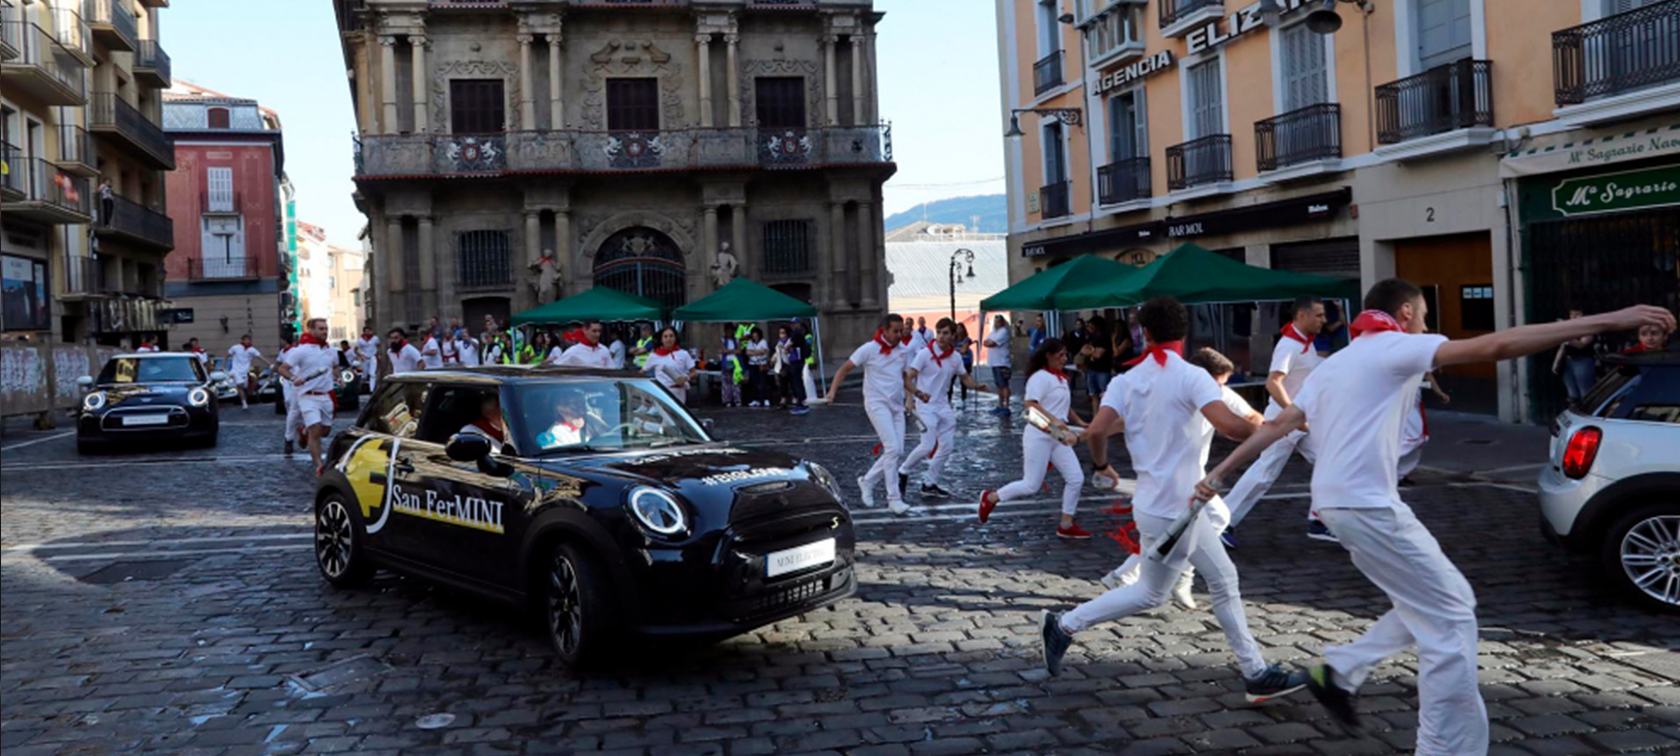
x: 293, y: 417
x: 1217, y: 515
x: 1200, y: 547
x: 370, y: 371
x: 1434, y: 610
x: 1260, y: 476
x: 888, y: 419
x: 938, y: 439
x: 1039, y: 450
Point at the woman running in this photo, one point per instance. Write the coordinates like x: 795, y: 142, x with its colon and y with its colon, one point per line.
x: 1047, y: 392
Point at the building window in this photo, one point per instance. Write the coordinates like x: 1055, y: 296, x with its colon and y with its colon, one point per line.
x: 1128, y: 126
x: 24, y: 296
x: 218, y: 184
x: 787, y: 246
x: 1207, y: 100
x: 1049, y: 29
x: 217, y: 118
x: 482, y: 259
x: 780, y: 101
x: 476, y: 106
x: 633, y: 104
x: 1475, y: 307
x: 1306, y: 74
x: 1443, y: 32
x: 223, y: 249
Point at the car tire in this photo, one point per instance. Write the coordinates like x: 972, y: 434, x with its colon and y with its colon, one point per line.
x: 85, y: 447
x: 1646, y: 538
x: 576, y: 607
x: 339, y: 539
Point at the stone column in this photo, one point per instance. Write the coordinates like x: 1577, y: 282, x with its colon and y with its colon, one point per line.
x: 556, y: 111
x: 830, y: 81
x: 857, y: 80
x: 563, y: 243
x: 709, y: 237
x: 527, y: 98
x: 393, y: 253
x: 533, y: 236
x: 428, y: 257
x: 421, y: 82
x: 704, y: 41
x: 867, y: 276
x: 388, y: 84
x: 837, y: 253
x: 734, y: 83
x: 738, y: 236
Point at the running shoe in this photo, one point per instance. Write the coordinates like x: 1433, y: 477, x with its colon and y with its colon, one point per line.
x: 1229, y: 538
x: 1318, y: 531
x: 999, y: 411
x: 1181, y: 594
x: 1073, y: 532
x: 1274, y: 683
x: 288, y: 448
x: 898, y: 506
x: 933, y: 490
x: 903, y: 483
x: 1343, y: 704
x: 800, y: 410
x: 866, y: 496
x: 1056, y: 641
x: 988, y: 502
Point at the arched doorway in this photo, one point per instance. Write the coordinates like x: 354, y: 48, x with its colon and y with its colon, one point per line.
x: 644, y: 262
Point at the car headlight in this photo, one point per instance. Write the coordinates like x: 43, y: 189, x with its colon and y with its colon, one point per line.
x: 347, y: 377
x: 93, y: 401
x: 658, y: 511
x: 826, y: 479
x: 199, y: 397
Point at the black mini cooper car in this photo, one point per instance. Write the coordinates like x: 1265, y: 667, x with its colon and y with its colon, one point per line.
x: 148, y: 397
x: 593, y: 495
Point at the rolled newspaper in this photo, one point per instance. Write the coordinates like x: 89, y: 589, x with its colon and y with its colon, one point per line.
x: 1175, y: 532
x: 1038, y: 419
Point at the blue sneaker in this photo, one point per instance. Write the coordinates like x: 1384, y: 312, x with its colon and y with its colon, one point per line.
x: 1229, y: 538
x: 1273, y: 683
x: 800, y: 410
x: 1318, y: 531
x: 1056, y: 641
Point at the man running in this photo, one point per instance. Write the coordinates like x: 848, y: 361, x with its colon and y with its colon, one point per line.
x: 1355, y: 404
x: 1155, y: 403
x: 884, y: 384
x: 367, y: 355
x: 309, y: 367
x: 431, y: 354
x: 404, y: 357
x: 932, y: 369
x: 588, y: 351
x: 240, y: 357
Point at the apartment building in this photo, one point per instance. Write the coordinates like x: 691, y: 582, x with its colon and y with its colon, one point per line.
x: 82, y: 190
x: 329, y: 277
x: 1481, y: 148
x: 660, y: 148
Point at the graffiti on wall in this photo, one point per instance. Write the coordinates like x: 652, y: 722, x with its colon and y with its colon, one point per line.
x: 23, y: 378
x: 69, y: 363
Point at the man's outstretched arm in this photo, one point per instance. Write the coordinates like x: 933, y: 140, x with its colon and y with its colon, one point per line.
x: 1291, y: 419
x: 1522, y: 341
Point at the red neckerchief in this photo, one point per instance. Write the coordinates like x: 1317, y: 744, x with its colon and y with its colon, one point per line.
x: 908, y: 338
x: 198, y: 350
x: 1373, y: 321
x: 881, y: 338
x: 665, y: 351
x: 580, y: 337
x: 939, y: 359
x: 1061, y: 376
x: 571, y: 427
x: 1636, y: 349
x: 447, y: 357
x: 309, y: 338
x: 1291, y: 332
x: 489, y: 430
x: 1159, y: 352
x: 399, y: 345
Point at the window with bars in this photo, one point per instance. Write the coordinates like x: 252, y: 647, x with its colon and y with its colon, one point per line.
x: 483, y: 259
x: 476, y: 106
x: 780, y: 101
x: 633, y: 104
x: 217, y: 118
x: 787, y: 246
x: 219, y: 187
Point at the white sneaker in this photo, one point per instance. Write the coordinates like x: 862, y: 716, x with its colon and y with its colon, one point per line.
x: 898, y: 506
x: 1181, y: 592
x: 865, y: 495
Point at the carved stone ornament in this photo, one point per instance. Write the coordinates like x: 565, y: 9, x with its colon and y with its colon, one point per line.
x: 594, y: 232
x: 810, y: 70
x: 475, y: 69
x: 723, y: 271
x: 544, y: 277
x: 626, y: 57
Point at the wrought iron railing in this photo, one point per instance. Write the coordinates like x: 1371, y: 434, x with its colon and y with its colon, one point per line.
x: 83, y: 275
x: 213, y: 267
x: 1299, y: 136
x: 235, y: 201
x: 115, y: 14
x: 1449, y: 97
x: 1123, y: 181
x: 1055, y: 200
x: 1047, y: 73
x: 1199, y: 161
x: 12, y: 179
x: 149, y: 55
x: 39, y: 49
x: 1620, y: 53
x: 44, y: 182
x: 110, y: 111
x: 133, y: 219
x: 1173, y: 11
x: 75, y: 145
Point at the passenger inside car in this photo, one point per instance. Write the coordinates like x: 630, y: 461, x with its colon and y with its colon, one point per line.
x: 489, y: 422
x: 570, y: 424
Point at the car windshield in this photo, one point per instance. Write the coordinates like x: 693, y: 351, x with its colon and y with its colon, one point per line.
x: 599, y: 415
x: 151, y: 370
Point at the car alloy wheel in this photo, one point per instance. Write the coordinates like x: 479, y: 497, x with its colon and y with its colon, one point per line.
x: 565, y: 606
x: 334, y: 537
x: 1650, y: 554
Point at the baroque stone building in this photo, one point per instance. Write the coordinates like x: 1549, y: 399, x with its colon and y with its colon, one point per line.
x: 655, y: 147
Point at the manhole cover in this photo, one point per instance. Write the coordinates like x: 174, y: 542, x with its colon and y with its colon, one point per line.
x: 434, y: 721
x: 341, y: 673
x: 150, y: 569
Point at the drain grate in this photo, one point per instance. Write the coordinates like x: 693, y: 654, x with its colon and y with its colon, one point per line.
x: 148, y: 569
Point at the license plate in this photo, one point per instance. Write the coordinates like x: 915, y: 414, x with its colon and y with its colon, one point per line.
x: 145, y: 420
x: 804, y: 557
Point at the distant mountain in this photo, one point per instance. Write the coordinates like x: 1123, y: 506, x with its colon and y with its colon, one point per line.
x: 993, y: 210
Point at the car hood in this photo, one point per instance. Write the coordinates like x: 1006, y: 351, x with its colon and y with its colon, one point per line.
x: 118, y: 393
x: 694, y: 467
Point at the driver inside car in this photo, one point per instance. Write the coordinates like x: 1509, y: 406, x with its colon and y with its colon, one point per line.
x: 489, y: 423
x: 569, y: 421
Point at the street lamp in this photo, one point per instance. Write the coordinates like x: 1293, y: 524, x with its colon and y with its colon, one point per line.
x: 966, y: 255
x: 1325, y: 20
x: 1069, y: 116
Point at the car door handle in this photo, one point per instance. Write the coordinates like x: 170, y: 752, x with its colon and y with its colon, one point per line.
x: 403, y: 465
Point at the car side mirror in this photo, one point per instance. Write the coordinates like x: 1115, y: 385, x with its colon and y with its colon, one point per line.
x: 218, y: 377
x: 467, y: 447
x: 85, y: 382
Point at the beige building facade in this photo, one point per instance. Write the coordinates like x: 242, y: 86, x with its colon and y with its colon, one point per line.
x: 659, y: 150
x: 1421, y: 139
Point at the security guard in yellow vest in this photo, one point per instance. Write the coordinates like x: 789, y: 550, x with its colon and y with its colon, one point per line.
x: 644, y: 346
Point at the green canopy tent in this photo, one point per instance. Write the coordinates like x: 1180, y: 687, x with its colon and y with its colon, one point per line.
x: 1194, y: 275
x: 601, y: 303
x: 1039, y: 291
x: 744, y: 300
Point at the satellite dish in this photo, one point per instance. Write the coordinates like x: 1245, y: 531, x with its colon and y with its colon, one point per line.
x: 1325, y: 20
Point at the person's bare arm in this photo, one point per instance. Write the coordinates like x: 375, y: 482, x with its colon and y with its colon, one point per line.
x: 1259, y: 438
x: 1106, y: 423
x: 1226, y: 422
x: 1530, y: 339
x: 1274, y: 387
x: 839, y: 375
x: 910, y: 387
x: 968, y: 380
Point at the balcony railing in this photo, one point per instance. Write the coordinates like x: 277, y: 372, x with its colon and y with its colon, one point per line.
x: 83, y: 276
x: 1173, y: 11
x: 1123, y: 181
x: 1054, y: 201
x: 1199, y: 161
x: 136, y: 221
x: 110, y: 113
x: 150, y: 61
x: 1445, y: 98
x: 74, y: 34
x: 407, y: 155
x: 1047, y: 73
x: 113, y: 22
x: 11, y: 40
x: 75, y: 150
x: 214, y: 267
x: 44, y: 183
x: 1300, y: 136
x: 1620, y: 53
x: 231, y: 206
x: 44, y: 67
x: 11, y: 179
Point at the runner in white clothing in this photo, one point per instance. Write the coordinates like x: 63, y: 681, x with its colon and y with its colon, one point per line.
x: 1355, y: 403
x: 367, y: 356
x: 1293, y: 359
x: 309, y: 367
x: 404, y: 357
x: 431, y: 355
x: 1047, y: 400
x: 240, y: 359
x: 932, y: 369
x: 588, y: 350
x: 885, y: 383
x: 1156, y: 404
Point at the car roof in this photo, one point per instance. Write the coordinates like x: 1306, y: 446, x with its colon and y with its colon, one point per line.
x: 513, y: 374
x: 151, y: 355
x: 1645, y: 359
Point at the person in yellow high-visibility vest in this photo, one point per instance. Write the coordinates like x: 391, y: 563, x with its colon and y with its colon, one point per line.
x: 729, y: 366
x: 644, y: 346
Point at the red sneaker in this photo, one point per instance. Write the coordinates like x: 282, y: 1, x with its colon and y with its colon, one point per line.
x: 1073, y: 532
x: 988, y: 502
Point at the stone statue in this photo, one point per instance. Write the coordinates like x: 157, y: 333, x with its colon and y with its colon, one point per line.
x: 723, y: 271
x: 545, y: 278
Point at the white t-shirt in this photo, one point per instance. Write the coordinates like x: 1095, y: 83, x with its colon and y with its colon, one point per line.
x: 919, y: 339
x: 450, y: 351
x: 561, y: 434
x: 1159, y: 404
x: 239, y: 359
x: 617, y: 350
x: 405, y: 360
x: 203, y: 357
x: 934, y: 377
x: 367, y: 349
x: 1296, y: 365
x: 1355, y: 404
x: 145, y: 349
x: 583, y: 355
x: 468, y: 351
x: 883, y: 374
x: 998, y: 356
x: 1233, y: 401
x: 758, y: 353
x: 314, y: 362
x: 669, y: 369
x: 430, y: 353
x: 1051, y: 393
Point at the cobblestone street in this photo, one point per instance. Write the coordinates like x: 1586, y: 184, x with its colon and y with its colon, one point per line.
x: 160, y: 601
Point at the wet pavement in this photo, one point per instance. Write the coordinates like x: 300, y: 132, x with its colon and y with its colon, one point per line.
x: 160, y: 601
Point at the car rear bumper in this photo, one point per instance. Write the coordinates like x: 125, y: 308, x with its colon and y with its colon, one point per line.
x: 1562, y: 502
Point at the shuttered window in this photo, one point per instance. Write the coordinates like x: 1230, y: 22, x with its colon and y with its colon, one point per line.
x: 219, y: 188
x: 217, y: 118
x: 1306, y: 76
x: 787, y: 246
x: 476, y: 106
x: 633, y: 104
x: 1443, y: 31
x: 1207, y: 106
x: 482, y: 259
x: 1128, y: 126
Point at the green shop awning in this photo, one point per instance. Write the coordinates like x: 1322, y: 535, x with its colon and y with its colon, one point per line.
x: 1040, y: 291
x: 744, y: 300
x: 1194, y: 275
x: 601, y: 303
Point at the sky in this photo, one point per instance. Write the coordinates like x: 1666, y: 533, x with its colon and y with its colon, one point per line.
x: 937, y: 61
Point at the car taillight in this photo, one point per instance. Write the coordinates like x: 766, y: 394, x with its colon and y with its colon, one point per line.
x: 1582, y: 450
